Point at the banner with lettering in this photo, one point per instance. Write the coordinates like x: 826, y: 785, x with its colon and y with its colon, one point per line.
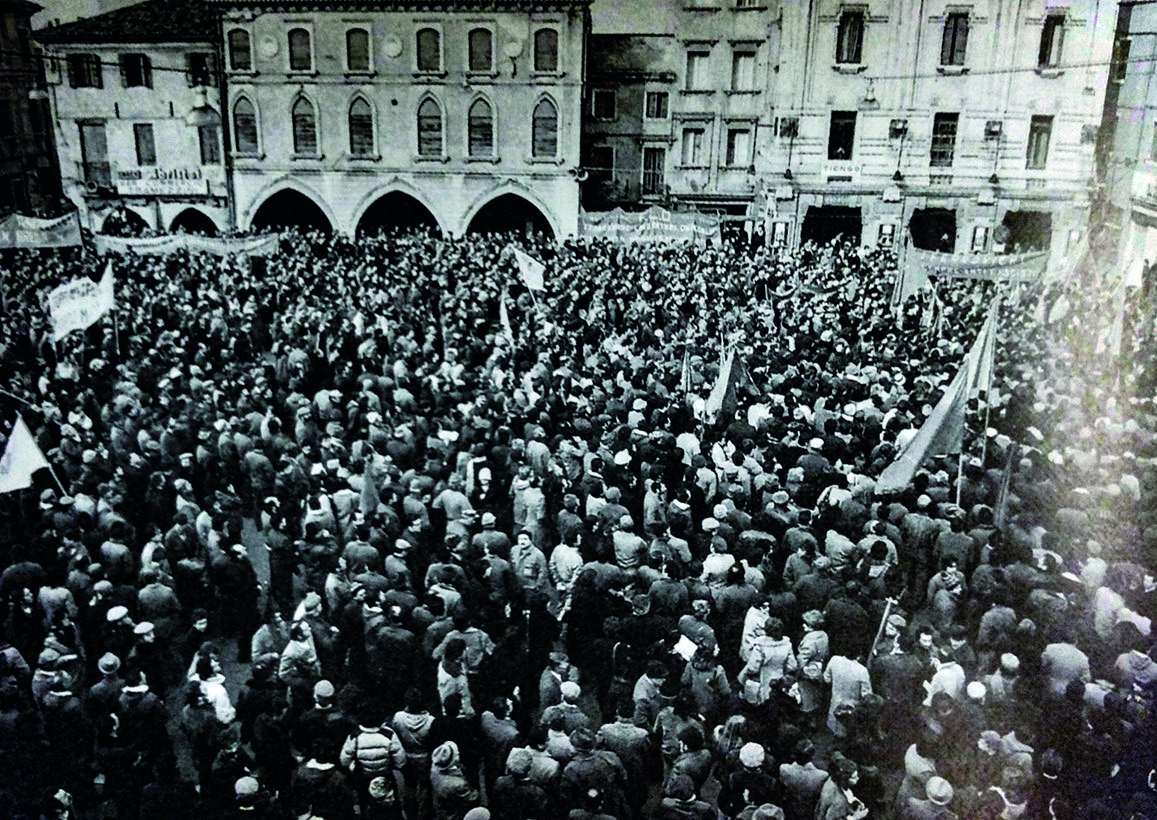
x: 217, y: 246
x: 653, y: 225
x: 1014, y: 267
x: 19, y: 231
x: 79, y: 304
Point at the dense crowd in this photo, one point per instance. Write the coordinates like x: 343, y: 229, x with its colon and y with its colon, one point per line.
x: 512, y: 564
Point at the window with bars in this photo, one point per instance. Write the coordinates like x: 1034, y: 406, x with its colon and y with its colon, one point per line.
x: 429, y: 50
x: 743, y: 71
x: 1052, y: 41
x: 199, y: 69
x: 546, y: 50
x: 544, y: 136
x: 697, y: 79
x: 850, y: 38
x: 361, y: 125
x: 429, y: 129
x: 136, y: 71
x: 654, y: 160
x: 481, y: 50
x: 1040, y: 131
x: 656, y: 108
x: 943, y: 140
x: 145, y: 144
x: 693, y: 139
x: 357, y: 50
x: 954, y: 41
x: 481, y: 127
x: 842, y: 135
x: 304, y: 128
x: 240, y: 53
x: 300, y: 53
x: 245, y: 127
x: 84, y: 71
x: 209, y: 141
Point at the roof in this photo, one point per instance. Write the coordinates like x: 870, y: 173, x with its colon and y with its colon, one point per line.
x: 633, y: 54
x: 153, y: 21
x: 526, y: 6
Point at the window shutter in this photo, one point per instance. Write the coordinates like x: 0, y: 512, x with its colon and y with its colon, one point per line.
x: 361, y: 123
x: 429, y: 129
x: 545, y: 128
x: 481, y: 130
x: 304, y: 129
x: 123, y: 65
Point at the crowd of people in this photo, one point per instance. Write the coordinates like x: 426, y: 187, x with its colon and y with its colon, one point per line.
x: 370, y: 529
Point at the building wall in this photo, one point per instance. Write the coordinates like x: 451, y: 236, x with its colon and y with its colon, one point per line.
x: 452, y: 186
x: 29, y: 180
x: 158, y: 192
x: 900, y: 77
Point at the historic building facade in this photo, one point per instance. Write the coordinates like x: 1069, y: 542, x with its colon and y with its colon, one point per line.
x: 136, y: 108
x: 675, y: 111
x: 1130, y: 129
x: 958, y: 127
x: 961, y: 127
x: 459, y: 115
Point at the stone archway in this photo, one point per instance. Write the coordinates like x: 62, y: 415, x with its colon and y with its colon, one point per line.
x: 124, y: 222
x: 510, y: 213
x: 395, y: 211
x: 290, y: 208
x: 191, y: 220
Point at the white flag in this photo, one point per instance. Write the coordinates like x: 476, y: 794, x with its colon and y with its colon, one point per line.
x: 531, y: 269
x: 21, y: 459
x: 79, y: 304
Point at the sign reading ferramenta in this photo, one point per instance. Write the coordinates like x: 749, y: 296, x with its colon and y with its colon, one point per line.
x: 162, y: 181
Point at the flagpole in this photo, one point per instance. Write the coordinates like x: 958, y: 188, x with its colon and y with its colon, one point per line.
x: 988, y: 389
x: 116, y: 329
x: 52, y: 470
x: 18, y: 398
x: 880, y: 632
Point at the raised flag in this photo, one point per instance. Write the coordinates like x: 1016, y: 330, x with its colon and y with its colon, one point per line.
x: 81, y: 303
x: 943, y: 431
x: 504, y: 317
x: 685, y: 373
x: 21, y: 459
x: 724, y: 397
x: 531, y: 269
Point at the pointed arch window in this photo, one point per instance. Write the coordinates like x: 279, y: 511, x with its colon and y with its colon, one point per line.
x: 304, y: 128
x: 481, y: 126
x: 245, y: 126
x: 361, y: 122
x: 544, y: 131
x: 429, y: 129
